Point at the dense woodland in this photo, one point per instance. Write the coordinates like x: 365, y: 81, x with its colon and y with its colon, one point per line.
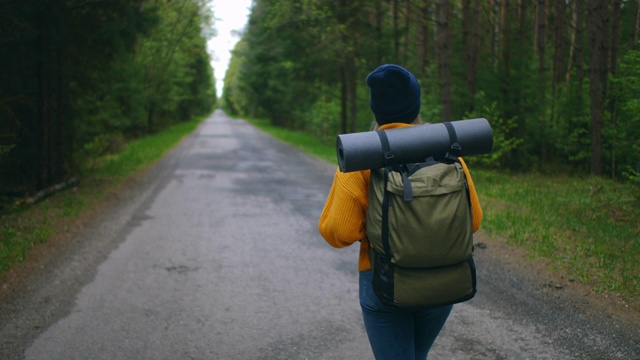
x: 558, y: 80
x: 81, y: 78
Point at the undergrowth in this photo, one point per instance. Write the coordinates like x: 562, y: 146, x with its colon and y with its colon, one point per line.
x: 589, y: 227
x: 23, y: 227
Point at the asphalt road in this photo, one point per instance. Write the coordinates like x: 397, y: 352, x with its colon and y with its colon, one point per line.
x: 214, y: 253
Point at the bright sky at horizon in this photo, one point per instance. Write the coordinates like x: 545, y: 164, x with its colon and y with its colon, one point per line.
x: 230, y: 16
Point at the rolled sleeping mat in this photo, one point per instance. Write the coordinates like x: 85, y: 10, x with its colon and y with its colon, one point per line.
x: 364, y: 150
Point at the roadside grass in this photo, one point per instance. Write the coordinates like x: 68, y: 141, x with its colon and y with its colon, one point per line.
x: 23, y: 227
x: 586, y: 227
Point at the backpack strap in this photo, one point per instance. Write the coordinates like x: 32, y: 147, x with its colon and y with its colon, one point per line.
x: 388, y: 156
x: 456, y: 150
x: 386, y: 148
x: 386, y: 200
x: 407, y: 191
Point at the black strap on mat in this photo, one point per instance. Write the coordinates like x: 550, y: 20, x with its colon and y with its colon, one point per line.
x: 456, y: 149
x: 386, y: 148
x: 388, y: 156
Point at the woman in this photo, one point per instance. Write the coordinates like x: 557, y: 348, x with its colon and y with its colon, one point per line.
x: 394, y: 333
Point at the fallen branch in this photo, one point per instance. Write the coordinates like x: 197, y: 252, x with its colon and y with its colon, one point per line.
x: 46, y: 192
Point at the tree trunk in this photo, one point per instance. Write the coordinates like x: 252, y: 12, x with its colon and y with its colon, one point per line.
x: 523, y: 29
x: 423, y: 38
x: 394, y: 30
x: 151, y: 113
x: 44, y: 111
x: 475, y: 36
x: 470, y: 36
x: 378, y: 24
x: 615, y: 34
x: 540, y: 43
x: 344, y: 70
x: 353, y: 98
x: 496, y: 34
x: 576, y: 47
x: 407, y: 25
x: 635, y: 24
x: 559, y: 42
x: 467, y: 41
x: 444, y: 59
x: 505, y: 33
x: 522, y: 47
x: 597, y: 13
x: 343, y: 100
x: 51, y: 145
x: 541, y: 28
x: 579, y: 50
x: 613, y: 60
x: 350, y: 92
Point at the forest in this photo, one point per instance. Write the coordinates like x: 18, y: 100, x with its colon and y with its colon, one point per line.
x: 82, y: 78
x: 559, y: 81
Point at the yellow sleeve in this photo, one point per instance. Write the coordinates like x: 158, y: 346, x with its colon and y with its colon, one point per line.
x: 343, y: 217
x: 476, y: 209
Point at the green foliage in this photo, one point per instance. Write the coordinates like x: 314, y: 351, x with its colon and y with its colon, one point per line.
x: 321, y: 116
x: 297, y: 57
x: 626, y: 131
x: 431, y: 106
x: 175, y: 80
x: 587, y: 226
x: 631, y: 174
x: 504, y: 143
x: 293, y: 56
x: 82, y: 74
x: 22, y: 228
x: 18, y: 240
x: 233, y: 102
x: 271, y: 81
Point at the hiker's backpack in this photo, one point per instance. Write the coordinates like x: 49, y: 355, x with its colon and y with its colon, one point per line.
x: 420, y: 231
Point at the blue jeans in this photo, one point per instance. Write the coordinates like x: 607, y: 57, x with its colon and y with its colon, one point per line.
x: 396, y: 333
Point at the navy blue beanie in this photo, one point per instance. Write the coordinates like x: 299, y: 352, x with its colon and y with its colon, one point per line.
x: 395, y: 94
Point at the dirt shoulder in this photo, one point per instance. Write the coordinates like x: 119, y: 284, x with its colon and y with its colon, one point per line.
x: 539, y: 271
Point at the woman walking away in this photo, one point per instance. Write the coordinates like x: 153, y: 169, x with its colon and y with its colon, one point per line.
x: 395, y: 333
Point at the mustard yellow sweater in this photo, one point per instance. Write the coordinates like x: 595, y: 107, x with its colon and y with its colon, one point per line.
x: 342, y: 221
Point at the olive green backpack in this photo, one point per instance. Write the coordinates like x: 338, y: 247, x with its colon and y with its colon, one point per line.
x: 419, y: 227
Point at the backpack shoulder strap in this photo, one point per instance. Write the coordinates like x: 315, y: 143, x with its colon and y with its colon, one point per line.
x: 386, y: 199
x: 386, y: 202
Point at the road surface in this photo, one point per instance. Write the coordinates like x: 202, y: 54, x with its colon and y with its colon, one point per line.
x: 214, y: 253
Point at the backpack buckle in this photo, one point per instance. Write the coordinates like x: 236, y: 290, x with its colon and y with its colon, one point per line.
x: 455, y: 150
